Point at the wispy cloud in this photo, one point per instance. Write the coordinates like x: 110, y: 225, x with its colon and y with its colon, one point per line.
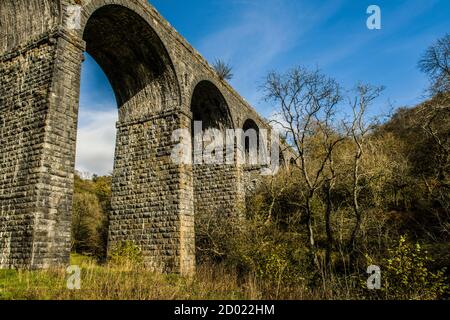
x: 258, y: 37
x: 96, y: 141
x: 251, y: 40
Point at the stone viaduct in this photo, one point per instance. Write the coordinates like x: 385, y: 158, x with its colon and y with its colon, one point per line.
x: 161, y: 84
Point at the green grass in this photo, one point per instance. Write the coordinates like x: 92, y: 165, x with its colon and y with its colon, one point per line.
x: 20, y: 285
x: 127, y: 282
x: 106, y: 282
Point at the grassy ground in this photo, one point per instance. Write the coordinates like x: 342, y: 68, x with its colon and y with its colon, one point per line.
x: 122, y: 281
x: 112, y: 282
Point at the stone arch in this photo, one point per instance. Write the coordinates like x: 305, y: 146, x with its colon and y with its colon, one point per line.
x: 134, y: 58
x: 151, y: 73
x: 251, y: 132
x: 251, y: 144
x: 142, y: 76
x: 145, y: 187
x: 214, y: 183
x: 249, y: 123
x: 282, y: 161
x: 209, y: 105
x: 152, y: 196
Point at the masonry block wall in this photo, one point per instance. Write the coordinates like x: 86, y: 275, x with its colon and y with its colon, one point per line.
x: 152, y: 197
x: 24, y: 85
x: 154, y: 73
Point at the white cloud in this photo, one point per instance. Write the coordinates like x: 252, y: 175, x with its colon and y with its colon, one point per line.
x: 96, y: 141
x: 278, y: 123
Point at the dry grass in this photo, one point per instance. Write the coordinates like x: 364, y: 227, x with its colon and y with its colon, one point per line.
x: 109, y: 282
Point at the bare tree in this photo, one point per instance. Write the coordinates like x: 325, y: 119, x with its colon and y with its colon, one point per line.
x: 223, y: 69
x: 358, y: 130
x: 433, y: 118
x: 329, y: 184
x: 436, y: 64
x: 306, y: 102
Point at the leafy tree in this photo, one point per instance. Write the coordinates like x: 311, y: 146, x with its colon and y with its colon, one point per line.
x: 90, y: 211
x: 87, y: 220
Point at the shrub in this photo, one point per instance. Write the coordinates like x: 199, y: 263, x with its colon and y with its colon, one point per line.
x: 407, y: 274
x: 223, y: 70
x: 126, y: 254
x: 253, y: 248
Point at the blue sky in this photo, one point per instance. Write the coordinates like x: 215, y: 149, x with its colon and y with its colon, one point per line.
x: 256, y: 36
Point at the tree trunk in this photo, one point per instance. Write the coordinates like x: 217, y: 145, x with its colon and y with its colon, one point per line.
x: 328, y: 227
x: 312, y: 244
x: 355, y: 204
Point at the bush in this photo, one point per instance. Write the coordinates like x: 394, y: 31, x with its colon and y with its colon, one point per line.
x: 407, y: 274
x: 126, y: 254
x: 253, y: 248
x: 223, y: 70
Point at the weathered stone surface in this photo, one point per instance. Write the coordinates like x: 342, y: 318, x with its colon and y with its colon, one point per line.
x: 161, y: 84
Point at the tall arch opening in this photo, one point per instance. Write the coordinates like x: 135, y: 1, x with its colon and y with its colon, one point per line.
x: 145, y: 184
x: 96, y: 136
x: 251, y: 141
x: 215, y: 183
x: 209, y: 106
x: 253, y: 146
